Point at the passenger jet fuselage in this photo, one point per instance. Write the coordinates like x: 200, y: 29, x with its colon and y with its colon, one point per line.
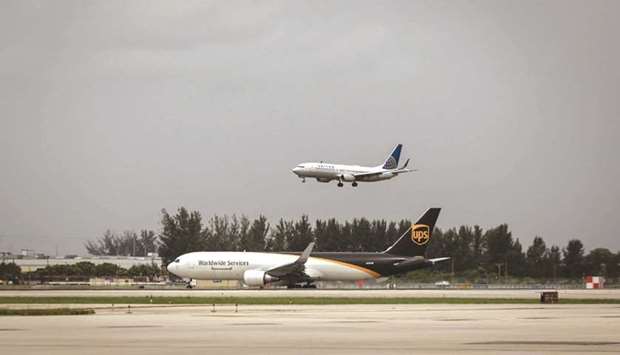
x: 325, y: 172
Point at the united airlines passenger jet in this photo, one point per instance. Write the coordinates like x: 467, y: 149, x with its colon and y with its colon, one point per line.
x: 324, y: 172
x: 302, y: 269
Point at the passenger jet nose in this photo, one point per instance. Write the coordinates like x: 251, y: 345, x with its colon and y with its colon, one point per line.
x: 298, y: 169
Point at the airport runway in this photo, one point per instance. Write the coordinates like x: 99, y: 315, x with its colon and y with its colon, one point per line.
x: 343, y: 329
x: 459, y: 293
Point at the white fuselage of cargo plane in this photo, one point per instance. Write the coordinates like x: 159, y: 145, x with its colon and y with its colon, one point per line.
x: 233, y: 266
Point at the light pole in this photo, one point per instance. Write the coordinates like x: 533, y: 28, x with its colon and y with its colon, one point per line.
x: 499, y: 270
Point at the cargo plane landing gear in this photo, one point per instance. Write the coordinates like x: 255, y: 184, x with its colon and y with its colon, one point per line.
x: 354, y: 184
x: 307, y: 285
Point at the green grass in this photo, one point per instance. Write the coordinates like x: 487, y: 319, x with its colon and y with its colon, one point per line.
x: 287, y: 300
x: 46, y: 312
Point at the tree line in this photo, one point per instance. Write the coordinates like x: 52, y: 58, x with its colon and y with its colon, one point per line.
x: 486, y: 253
x: 495, y: 253
x: 127, y: 243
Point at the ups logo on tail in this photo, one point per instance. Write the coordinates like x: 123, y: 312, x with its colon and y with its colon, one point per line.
x: 420, y: 234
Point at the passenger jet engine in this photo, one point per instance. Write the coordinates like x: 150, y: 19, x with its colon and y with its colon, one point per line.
x: 257, y: 278
x: 347, y: 177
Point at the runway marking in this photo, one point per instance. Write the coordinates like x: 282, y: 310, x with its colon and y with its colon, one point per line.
x: 536, y: 318
x: 525, y: 342
x: 129, y: 326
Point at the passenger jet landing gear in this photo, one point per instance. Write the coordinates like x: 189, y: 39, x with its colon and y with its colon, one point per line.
x: 354, y: 184
x: 303, y: 180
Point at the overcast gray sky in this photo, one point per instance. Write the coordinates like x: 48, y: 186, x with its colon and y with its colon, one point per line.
x: 113, y: 110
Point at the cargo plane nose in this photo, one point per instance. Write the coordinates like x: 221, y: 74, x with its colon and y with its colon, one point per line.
x: 173, y: 267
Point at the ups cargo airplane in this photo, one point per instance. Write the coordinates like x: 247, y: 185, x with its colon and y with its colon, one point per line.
x: 302, y: 269
x: 325, y: 172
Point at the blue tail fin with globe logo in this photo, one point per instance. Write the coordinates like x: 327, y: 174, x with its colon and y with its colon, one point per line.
x: 392, y: 161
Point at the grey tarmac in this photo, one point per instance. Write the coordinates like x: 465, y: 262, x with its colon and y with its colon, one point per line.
x: 422, y: 293
x: 298, y: 329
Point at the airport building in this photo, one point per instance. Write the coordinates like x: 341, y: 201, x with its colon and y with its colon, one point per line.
x: 32, y: 263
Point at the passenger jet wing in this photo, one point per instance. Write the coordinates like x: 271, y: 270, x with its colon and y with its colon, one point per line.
x: 395, y: 171
x: 294, y: 269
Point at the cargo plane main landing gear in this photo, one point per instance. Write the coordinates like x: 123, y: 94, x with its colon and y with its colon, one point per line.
x: 306, y: 285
